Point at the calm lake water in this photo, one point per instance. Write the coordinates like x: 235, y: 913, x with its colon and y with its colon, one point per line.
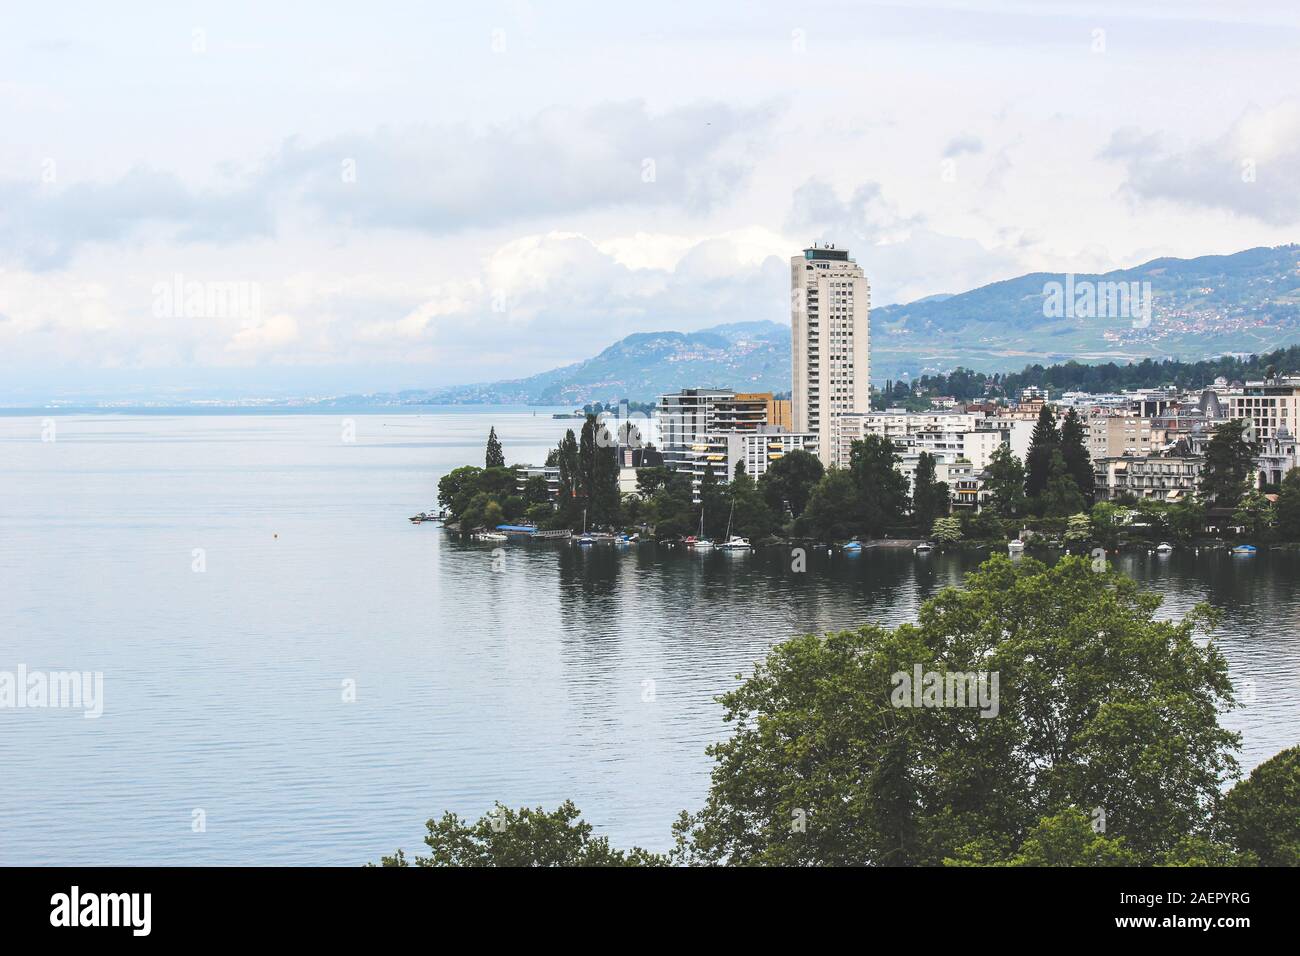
x: 224, y: 689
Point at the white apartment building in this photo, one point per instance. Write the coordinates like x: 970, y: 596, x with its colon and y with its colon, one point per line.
x: 720, y: 452
x: 830, y: 302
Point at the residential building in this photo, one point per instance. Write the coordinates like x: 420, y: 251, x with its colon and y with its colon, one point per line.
x: 830, y: 302
x: 1163, y: 477
x: 1268, y: 405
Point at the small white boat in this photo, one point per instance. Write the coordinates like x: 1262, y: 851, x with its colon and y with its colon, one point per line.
x: 925, y: 547
x: 1016, y: 546
x: 702, y: 544
x: 1164, y: 547
x: 492, y: 536
x: 734, y: 543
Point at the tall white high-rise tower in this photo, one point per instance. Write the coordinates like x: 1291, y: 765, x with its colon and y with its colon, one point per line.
x: 830, y: 300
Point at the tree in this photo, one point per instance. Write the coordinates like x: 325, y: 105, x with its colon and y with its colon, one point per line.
x: 1074, y: 449
x: 930, y: 498
x: 947, y: 530
x: 1288, y: 506
x: 1043, y: 445
x: 456, y: 484
x: 1262, y: 812
x: 651, y: 479
x: 1092, y: 688
x: 1064, y: 839
x: 1061, y: 496
x: 881, y: 487
x: 524, y: 837
x: 1229, y: 460
x: 1105, y: 521
x: 1254, y: 513
x: 1185, y: 520
x: 831, y: 509
x: 1079, y: 528
x: 751, y: 517
x: 496, y: 458
x: 1006, y: 483
x: 789, y: 481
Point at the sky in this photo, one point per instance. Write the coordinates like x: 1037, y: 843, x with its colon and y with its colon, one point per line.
x: 323, y: 198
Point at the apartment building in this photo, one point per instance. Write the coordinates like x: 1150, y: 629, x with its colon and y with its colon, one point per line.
x: 1268, y: 405
x: 720, y: 452
x: 1163, y: 477
x: 1113, y: 435
x: 830, y: 302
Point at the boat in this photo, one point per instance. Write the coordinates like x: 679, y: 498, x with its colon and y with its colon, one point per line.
x: 733, y: 542
x: 1016, y: 546
x: 925, y: 547
x: 491, y: 536
x: 1164, y: 547
x: 699, y: 542
x: 852, y: 547
x: 1244, y: 549
x: 586, y: 538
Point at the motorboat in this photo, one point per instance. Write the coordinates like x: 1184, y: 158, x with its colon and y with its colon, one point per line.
x: 852, y: 547
x: 1164, y: 547
x: 735, y: 543
x: 1244, y: 549
x: 925, y: 547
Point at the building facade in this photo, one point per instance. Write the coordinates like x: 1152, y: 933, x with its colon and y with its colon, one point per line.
x: 830, y: 302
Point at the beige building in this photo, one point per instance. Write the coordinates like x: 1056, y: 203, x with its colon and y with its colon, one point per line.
x: 1268, y: 406
x: 1110, y: 436
x: 830, y: 303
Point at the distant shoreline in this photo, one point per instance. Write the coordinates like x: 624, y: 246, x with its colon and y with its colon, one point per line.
x: 37, y: 411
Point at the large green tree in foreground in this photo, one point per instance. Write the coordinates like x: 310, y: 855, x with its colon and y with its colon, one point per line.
x: 1100, y: 708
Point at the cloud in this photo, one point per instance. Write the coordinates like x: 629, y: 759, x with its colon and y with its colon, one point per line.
x: 442, y: 179
x: 42, y: 225
x: 437, y: 180
x: 1251, y: 170
x: 866, y: 216
x: 965, y: 143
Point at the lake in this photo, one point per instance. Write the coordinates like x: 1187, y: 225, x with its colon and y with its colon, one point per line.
x: 295, y: 674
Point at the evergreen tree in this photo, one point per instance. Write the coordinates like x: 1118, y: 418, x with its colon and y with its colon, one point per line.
x: 930, y: 498
x: 1044, y: 443
x: 1229, y: 460
x: 881, y: 487
x: 1074, y: 448
x: 1061, y: 497
x: 496, y: 458
x: 569, y: 513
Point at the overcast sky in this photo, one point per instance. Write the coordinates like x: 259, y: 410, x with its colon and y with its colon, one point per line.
x: 414, y: 197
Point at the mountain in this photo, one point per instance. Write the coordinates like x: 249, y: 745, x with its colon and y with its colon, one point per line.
x: 1207, y: 306
x: 1204, y: 307
x: 748, y: 355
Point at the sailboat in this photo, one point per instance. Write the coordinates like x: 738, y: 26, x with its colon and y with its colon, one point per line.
x: 734, y: 543
x: 702, y: 543
x: 585, y: 538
